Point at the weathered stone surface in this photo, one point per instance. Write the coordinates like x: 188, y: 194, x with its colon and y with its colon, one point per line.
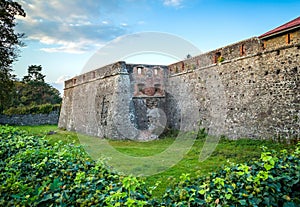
x: 30, y: 119
x: 104, y: 106
x: 247, y: 89
x: 259, y: 92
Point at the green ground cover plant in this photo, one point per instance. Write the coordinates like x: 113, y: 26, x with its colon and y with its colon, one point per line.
x: 55, y: 170
x: 238, y: 151
x: 34, y: 172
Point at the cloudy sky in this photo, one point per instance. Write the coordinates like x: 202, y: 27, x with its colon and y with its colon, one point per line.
x: 62, y: 35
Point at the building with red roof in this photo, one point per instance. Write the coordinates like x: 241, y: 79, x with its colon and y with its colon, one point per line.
x: 287, y: 27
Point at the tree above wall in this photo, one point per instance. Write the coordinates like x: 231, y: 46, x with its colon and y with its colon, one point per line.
x: 9, y: 44
x: 34, y: 74
x: 33, y: 90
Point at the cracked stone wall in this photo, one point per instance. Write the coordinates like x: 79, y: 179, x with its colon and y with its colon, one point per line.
x: 110, y: 104
x: 257, y: 92
x: 89, y: 101
x: 247, y: 89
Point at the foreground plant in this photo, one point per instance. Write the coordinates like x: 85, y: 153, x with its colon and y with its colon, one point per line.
x: 273, y: 180
x: 35, y: 173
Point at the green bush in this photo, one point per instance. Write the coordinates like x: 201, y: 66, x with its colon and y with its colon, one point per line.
x: 35, y: 109
x: 273, y: 180
x: 35, y: 173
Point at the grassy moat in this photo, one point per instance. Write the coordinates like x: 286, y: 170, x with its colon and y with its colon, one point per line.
x: 238, y: 151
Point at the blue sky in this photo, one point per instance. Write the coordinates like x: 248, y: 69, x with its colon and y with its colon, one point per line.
x: 63, y: 34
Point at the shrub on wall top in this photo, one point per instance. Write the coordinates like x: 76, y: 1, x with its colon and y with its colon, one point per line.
x: 34, y: 109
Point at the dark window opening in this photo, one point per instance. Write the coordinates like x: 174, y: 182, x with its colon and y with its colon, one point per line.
x: 288, y: 38
x: 157, y: 88
x: 277, y: 52
x: 242, y: 50
x: 141, y: 87
x: 139, y: 70
x: 266, y: 73
x: 94, y: 74
x: 74, y: 81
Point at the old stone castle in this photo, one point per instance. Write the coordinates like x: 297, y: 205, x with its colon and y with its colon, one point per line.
x: 247, y: 89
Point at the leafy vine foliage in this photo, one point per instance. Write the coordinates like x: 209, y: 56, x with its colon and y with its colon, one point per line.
x: 35, y: 173
x: 273, y: 180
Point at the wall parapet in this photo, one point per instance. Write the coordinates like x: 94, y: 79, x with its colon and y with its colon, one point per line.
x: 237, y: 50
x: 190, y: 64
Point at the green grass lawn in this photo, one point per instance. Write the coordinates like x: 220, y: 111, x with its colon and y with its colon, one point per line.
x: 238, y: 151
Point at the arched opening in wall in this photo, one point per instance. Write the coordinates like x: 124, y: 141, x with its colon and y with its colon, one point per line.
x: 157, y: 88
x: 94, y: 74
x: 288, y: 38
x: 263, y: 45
x: 141, y: 87
x: 83, y: 78
x: 74, y: 81
x: 140, y: 70
x: 156, y: 71
x: 242, y: 50
x: 217, y: 56
x: 182, y: 66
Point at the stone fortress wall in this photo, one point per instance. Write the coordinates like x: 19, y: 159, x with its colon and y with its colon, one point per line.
x: 247, y: 89
x: 111, y: 100
x: 259, y: 82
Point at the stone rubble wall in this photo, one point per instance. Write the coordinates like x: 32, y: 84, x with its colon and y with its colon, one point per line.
x: 257, y: 94
x: 30, y: 119
x: 247, y: 89
x: 87, y: 108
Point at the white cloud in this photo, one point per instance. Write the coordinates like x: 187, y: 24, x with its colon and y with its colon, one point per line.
x: 174, y: 3
x: 72, y: 26
x: 62, y: 79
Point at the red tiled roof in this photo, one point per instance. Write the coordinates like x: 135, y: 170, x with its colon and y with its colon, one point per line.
x: 288, y: 26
